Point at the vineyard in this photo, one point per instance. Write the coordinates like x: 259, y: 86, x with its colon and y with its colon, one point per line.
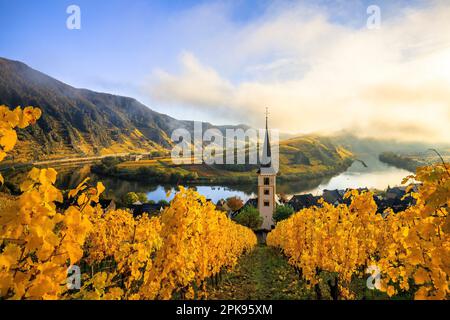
x: 409, y: 250
x: 184, y: 252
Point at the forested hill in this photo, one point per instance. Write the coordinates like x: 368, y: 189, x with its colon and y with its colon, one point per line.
x: 78, y: 122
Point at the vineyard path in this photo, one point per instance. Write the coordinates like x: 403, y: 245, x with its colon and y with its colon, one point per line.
x: 261, y: 274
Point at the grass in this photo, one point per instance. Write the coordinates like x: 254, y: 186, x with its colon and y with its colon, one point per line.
x: 262, y: 274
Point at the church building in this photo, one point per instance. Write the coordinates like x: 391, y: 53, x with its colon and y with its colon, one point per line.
x: 267, y: 184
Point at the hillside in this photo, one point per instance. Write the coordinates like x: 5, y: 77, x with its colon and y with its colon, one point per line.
x: 311, y: 150
x: 301, y: 159
x: 373, y: 146
x: 79, y: 122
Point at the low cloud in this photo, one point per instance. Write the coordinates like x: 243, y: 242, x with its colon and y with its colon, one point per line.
x: 317, y: 75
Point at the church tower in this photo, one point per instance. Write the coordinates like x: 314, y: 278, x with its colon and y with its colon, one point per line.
x: 266, y: 183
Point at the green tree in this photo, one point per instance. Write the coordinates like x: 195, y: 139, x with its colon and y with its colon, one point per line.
x: 110, y: 162
x: 142, y: 197
x: 176, y: 176
x: 163, y: 203
x: 192, y: 176
x: 249, y: 217
x: 282, y: 212
x: 130, y: 198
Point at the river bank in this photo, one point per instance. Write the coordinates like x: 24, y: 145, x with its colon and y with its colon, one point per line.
x: 400, y: 161
x: 165, y: 172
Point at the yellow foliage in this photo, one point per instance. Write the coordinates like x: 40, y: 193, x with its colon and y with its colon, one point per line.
x: 198, y: 241
x: 413, y: 244
x: 339, y: 239
x: 128, y: 257
x: 11, y: 119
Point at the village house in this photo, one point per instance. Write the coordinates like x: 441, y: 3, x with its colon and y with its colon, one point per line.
x: 395, y: 193
x: 333, y: 197
x: 302, y: 201
x: 151, y: 208
x: 136, y: 157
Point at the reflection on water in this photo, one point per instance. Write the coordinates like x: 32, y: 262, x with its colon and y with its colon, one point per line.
x: 214, y: 193
x: 116, y: 189
x: 377, y: 175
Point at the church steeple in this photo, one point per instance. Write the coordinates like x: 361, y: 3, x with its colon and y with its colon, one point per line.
x: 266, y: 159
x: 267, y: 182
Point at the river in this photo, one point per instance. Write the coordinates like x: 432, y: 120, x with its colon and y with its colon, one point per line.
x: 376, y: 175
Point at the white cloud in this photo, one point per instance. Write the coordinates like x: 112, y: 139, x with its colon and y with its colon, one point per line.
x: 320, y: 76
x: 196, y: 85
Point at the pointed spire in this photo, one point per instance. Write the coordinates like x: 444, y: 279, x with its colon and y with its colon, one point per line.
x: 267, y: 152
x: 267, y: 117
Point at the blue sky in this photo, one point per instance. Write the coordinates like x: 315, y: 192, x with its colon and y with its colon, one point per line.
x: 120, y: 41
x: 155, y: 50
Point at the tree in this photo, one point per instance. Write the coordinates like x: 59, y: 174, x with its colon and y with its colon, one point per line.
x: 176, y: 177
x: 192, y: 176
x: 110, y: 162
x: 163, y: 203
x: 235, y: 203
x: 282, y: 213
x: 249, y: 217
x: 130, y: 198
x: 142, y: 197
